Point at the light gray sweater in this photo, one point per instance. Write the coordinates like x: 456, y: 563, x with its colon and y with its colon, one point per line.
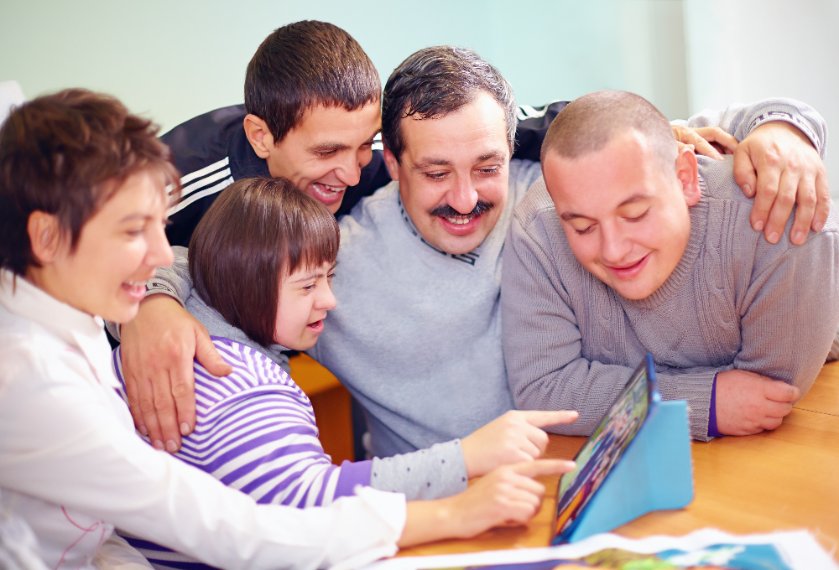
x: 734, y: 301
x: 415, y: 336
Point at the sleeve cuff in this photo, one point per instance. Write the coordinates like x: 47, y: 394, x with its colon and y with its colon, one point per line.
x: 794, y: 120
x: 155, y: 286
x: 390, y: 511
x: 712, y: 412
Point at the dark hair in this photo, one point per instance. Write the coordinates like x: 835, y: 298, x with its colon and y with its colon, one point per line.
x: 256, y: 231
x: 588, y: 123
x: 65, y: 154
x: 305, y: 64
x: 435, y: 81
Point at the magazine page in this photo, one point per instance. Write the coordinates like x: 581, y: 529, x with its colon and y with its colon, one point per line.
x: 709, y: 549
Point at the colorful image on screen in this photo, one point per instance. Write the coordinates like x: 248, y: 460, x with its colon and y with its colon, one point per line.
x: 602, y: 451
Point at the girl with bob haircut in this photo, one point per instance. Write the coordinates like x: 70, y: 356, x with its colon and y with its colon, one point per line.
x: 261, y: 262
x: 82, y: 207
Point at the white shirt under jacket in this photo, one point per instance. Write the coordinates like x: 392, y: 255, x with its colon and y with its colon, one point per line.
x: 70, y: 460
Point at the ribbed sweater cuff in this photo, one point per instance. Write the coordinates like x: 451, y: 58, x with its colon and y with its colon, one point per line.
x: 695, y: 388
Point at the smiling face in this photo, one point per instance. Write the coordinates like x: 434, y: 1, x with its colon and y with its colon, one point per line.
x: 453, y: 173
x: 625, y: 214
x: 118, y: 250
x: 324, y: 153
x: 305, y: 298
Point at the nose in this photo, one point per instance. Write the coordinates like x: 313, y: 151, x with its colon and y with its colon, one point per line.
x: 326, y: 298
x: 159, y: 253
x: 349, y: 172
x: 463, y: 197
x: 614, y: 247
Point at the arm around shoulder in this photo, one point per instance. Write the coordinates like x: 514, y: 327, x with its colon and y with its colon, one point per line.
x: 158, y: 347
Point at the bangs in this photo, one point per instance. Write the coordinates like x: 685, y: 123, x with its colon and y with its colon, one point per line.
x: 312, y: 244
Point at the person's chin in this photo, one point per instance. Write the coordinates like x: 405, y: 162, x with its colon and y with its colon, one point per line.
x: 635, y: 291
x: 304, y: 345
x: 459, y: 242
x: 464, y: 247
x: 122, y: 312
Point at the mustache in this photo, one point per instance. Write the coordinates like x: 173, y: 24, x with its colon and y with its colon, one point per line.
x: 447, y: 211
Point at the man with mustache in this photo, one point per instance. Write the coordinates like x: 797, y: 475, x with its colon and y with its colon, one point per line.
x: 416, y: 334
x: 311, y: 114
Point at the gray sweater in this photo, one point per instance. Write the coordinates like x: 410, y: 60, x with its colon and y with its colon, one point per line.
x: 734, y: 301
x: 438, y: 471
x: 415, y: 336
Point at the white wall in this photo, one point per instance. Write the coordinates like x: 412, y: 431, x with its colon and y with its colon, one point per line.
x: 750, y: 49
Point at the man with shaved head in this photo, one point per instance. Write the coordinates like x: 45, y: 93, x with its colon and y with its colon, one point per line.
x: 631, y: 245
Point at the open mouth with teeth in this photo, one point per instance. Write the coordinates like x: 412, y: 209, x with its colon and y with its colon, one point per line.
x: 326, y: 193
x: 459, y: 220
x: 135, y: 289
x: 456, y: 223
x: 460, y: 225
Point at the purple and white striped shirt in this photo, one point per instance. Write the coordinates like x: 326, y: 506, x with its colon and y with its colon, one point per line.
x: 255, y: 431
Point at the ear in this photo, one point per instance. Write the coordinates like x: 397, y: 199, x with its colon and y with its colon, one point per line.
x: 391, y: 163
x: 687, y: 171
x: 259, y: 135
x: 44, y: 235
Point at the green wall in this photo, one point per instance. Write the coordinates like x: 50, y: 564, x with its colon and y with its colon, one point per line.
x: 174, y: 59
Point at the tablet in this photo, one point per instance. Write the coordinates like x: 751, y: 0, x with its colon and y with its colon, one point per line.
x: 604, y: 448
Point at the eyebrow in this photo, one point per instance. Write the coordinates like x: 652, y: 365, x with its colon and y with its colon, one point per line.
x: 314, y: 274
x: 328, y: 146
x: 569, y: 216
x: 135, y: 217
x: 335, y: 146
x: 439, y: 161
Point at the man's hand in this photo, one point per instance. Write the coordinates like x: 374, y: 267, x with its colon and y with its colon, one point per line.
x: 749, y: 403
x: 511, y: 438
x: 778, y: 166
x: 712, y: 142
x: 157, y: 353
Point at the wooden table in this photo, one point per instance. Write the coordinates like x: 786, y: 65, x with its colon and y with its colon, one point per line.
x: 780, y: 480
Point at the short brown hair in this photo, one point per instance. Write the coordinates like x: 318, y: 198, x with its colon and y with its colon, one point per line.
x: 436, y: 81
x: 305, y: 64
x: 66, y: 154
x: 258, y: 230
x: 588, y: 123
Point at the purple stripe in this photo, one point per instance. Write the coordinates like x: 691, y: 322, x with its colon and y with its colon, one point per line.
x: 248, y: 443
x: 249, y: 434
x: 286, y: 478
x: 232, y: 411
x: 353, y: 474
x: 270, y: 495
x: 224, y: 431
x: 219, y: 438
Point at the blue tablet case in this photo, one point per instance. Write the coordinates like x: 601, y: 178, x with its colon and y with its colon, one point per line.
x: 654, y: 473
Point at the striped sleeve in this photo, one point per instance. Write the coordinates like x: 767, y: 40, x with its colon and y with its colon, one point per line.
x: 257, y: 433
x: 211, y: 179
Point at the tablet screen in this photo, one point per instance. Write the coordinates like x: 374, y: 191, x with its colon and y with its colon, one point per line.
x: 604, y: 448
